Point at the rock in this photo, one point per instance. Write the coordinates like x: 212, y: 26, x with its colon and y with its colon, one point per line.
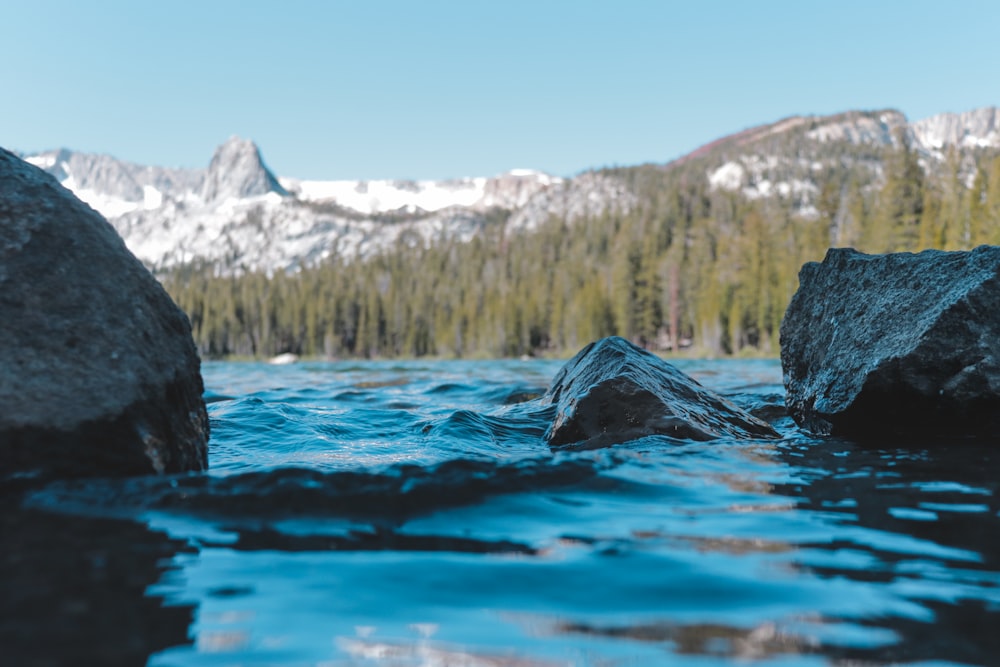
x: 98, y: 371
x: 238, y: 171
x: 895, y: 345
x: 613, y: 391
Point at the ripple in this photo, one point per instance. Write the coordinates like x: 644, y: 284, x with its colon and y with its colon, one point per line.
x: 402, y: 491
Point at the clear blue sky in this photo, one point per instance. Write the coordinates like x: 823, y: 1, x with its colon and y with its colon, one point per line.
x: 433, y: 89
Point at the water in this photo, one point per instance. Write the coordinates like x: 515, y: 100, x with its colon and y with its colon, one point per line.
x: 409, y: 514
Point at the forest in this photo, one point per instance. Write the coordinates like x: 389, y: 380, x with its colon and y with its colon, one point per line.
x: 690, y: 269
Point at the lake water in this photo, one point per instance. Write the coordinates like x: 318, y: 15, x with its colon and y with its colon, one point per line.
x: 409, y: 513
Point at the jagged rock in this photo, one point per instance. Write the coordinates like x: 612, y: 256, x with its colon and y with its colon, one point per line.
x: 613, y: 391
x: 98, y: 371
x: 237, y: 171
x: 102, y: 179
x: 895, y: 345
x: 978, y: 128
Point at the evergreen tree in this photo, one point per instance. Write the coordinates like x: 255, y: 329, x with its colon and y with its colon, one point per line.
x: 901, y: 200
x: 686, y: 263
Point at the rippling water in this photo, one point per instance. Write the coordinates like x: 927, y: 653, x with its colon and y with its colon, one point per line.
x: 410, y: 514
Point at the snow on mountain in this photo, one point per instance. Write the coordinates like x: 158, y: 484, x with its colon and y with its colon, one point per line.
x: 876, y: 129
x: 510, y: 190
x: 271, y: 233
x: 589, y: 194
x: 785, y: 159
x: 972, y: 129
x: 111, y: 186
x: 238, y: 215
x: 372, y: 197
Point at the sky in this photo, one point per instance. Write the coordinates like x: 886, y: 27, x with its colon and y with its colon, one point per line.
x: 433, y: 89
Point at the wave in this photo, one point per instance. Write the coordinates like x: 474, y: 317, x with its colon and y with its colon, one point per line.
x: 398, y: 493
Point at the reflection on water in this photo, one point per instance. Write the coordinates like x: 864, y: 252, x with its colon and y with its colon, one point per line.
x: 424, y: 652
x: 74, y: 591
x: 761, y: 641
x: 921, y: 522
x: 409, y: 514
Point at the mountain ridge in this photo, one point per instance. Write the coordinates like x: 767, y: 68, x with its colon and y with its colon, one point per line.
x: 239, y: 215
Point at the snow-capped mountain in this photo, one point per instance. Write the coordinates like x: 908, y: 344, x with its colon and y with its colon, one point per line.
x: 787, y: 158
x: 973, y: 129
x: 238, y: 215
x: 237, y: 171
x: 114, y: 187
x: 511, y: 190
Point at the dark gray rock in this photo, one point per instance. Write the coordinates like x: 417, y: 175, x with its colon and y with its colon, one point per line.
x: 895, y: 345
x: 613, y: 391
x: 98, y: 371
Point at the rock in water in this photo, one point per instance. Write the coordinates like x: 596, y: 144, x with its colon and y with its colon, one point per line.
x: 895, y: 345
x: 613, y: 391
x: 98, y: 371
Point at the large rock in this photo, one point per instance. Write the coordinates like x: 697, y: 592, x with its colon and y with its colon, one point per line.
x: 613, y: 391
x: 895, y: 345
x: 238, y: 171
x: 98, y: 371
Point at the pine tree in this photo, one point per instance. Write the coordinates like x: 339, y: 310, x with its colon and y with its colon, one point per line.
x: 901, y: 200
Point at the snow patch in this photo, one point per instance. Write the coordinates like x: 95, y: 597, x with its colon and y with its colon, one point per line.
x: 106, y: 205
x: 540, y: 176
x: 41, y: 161
x: 382, y: 196
x: 372, y: 197
x: 860, y: 129
x: 151, y: 198
x: 727, y: 177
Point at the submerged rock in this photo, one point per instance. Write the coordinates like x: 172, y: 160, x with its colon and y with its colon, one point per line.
x: 613, y: 391
x: 895, y: 345
x: 98, y: 371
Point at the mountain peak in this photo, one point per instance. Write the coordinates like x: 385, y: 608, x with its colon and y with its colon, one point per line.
x: 972, y: 129
x: 238, y: 170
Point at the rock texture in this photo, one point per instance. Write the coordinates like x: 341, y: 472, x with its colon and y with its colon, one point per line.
x: 613, y: 391
x: 237, y: 171
x: 979, y: 128
x: 895, y: 345
x: 98, y: 372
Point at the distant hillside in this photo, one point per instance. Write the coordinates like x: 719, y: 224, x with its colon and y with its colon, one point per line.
x: 238, y: 215
x: 793, y: 157
x: 700, y: 254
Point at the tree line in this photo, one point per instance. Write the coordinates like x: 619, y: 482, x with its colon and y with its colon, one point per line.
x: 689, y: 267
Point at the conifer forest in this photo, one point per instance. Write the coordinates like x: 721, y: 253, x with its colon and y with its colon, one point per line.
x: 690, y: 268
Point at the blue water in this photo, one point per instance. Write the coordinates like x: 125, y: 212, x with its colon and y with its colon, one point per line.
x: 409, y: 513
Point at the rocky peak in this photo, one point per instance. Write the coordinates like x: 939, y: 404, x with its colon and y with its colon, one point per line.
x: 238, y: 170
x: 973, y: 129
x: 874, y: 128
x: 515, y: 188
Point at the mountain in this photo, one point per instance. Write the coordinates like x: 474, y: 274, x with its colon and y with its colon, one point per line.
x: 701, y: 253
x: 238, y: 215
x: 114, y: 187
x: 237, y: 171
x: 789, y: 158
x: 973, y: 129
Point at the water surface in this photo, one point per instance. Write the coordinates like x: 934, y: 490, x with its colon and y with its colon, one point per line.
x: 409, y: 513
